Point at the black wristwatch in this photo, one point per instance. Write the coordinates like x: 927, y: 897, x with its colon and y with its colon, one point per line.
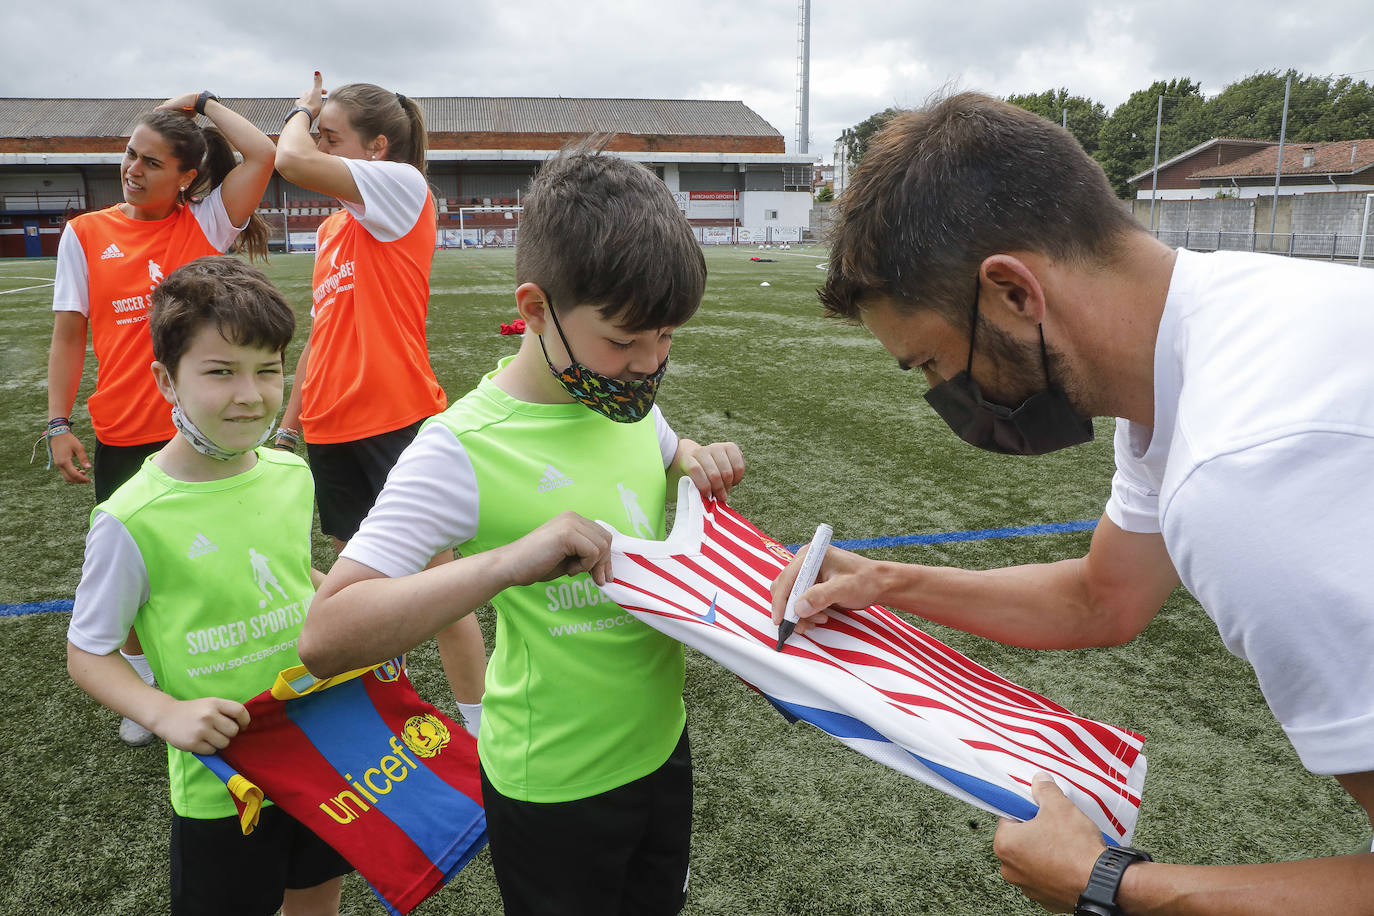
x: 1099, y: 897
x: 201, y: 99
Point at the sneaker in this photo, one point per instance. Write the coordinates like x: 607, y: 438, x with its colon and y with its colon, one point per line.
x: 135, y: 735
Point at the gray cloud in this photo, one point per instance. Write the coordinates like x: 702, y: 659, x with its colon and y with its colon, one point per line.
x: 866, y: 55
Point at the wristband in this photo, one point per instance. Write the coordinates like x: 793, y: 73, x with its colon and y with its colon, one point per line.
x: 205, y: 96
x: 1099, y: 897
x: 287, y: 439
x: 309, y: 116
x: 57, y: 426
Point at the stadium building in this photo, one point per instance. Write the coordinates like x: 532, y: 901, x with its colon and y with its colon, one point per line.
x: 727, y: 167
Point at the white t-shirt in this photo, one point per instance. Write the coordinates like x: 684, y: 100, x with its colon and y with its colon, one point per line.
x: 393, y: 193
x: 430, y: 502
x: 1259, y: 473
x: 72, y: 281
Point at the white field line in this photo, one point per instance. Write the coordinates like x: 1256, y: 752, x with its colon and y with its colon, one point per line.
x: 6, y: 292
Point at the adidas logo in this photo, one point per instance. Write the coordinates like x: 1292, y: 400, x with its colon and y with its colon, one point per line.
x: 553, y: 479
x: 200, y: 547
x: 111, y: 252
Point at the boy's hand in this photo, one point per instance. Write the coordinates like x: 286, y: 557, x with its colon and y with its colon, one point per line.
x: 201, y: 726
x: 714, y: 468
x: 563, y: 546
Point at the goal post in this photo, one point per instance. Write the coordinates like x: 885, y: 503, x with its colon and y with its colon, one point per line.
x: 486, y: 235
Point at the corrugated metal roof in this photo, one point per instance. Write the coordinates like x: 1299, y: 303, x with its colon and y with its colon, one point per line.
x: 23, y: 118
x: 1343, y: 157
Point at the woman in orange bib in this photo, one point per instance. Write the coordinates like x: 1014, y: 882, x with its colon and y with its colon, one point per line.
x: 184, y: 197
x: 363, y: 382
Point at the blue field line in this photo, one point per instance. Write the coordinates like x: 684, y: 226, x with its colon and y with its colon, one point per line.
x: 981, y: 534
x: 37, y: 607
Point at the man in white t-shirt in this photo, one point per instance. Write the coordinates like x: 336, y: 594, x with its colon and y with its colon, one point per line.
x: 980, y: 244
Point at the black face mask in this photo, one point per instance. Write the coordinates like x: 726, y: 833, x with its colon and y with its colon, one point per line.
x: 1044, y: 422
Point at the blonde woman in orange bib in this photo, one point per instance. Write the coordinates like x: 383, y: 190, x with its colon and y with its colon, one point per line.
x: 364, y: 383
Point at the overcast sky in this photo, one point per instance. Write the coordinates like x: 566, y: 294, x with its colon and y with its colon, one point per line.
x: 865, y: 54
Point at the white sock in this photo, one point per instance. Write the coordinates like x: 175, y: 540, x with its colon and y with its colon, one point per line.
x: 140, y: 664
x: 472, y: 717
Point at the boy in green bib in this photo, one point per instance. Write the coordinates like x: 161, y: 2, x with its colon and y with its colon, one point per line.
x: 205, y: 551
x: 586, y: 769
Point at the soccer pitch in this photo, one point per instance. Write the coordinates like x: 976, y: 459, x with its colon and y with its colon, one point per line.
x: 787, y: 820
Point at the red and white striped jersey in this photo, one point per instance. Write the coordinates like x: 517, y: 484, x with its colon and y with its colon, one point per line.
x: 871, y: 679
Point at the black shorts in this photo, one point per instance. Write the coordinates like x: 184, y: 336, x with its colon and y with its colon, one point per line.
x: 349, y: 475
x: 113, y: 465
x: 216, y: 869
x: 623, y: 851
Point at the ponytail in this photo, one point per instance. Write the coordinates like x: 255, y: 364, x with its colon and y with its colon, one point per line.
x: 212, y: 156
x: 373, y: 112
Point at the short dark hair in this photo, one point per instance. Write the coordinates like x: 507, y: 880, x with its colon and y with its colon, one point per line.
x: 941, y: 189
x: 604, y: 231
x: 230, y: 294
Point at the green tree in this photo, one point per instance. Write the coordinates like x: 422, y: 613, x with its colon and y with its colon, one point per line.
x: 1127, y: 140
x: 857, y: 137
x: 1320, y: 108
x: 1085, y: 117
x: 825, y: 194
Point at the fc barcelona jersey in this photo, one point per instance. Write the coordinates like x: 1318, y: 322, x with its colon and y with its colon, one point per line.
x: 380, y: 775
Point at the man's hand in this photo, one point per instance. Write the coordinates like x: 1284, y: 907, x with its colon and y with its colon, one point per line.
x: 201, y: 726
x: 69, y: 457
x: 846, y: 581
x: 563, y: 546
x: 1050, y: 856
x: 714, y: 468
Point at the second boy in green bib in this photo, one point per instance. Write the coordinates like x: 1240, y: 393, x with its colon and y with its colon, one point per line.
x: 587, y: 773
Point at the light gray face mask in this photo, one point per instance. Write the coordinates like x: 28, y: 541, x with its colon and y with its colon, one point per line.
x: 203, y: 443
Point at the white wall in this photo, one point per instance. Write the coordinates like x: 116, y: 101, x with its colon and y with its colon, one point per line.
x: 793, y: 207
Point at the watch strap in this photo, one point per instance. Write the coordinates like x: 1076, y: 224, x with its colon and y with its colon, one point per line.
x: 1099, y: 897
x: 309, y: 115
x: 205, y: 96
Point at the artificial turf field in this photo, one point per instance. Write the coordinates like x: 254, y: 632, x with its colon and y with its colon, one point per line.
x: 787, y: 820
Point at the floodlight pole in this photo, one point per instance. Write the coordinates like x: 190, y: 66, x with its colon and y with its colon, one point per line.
x: 1364, y: 228
x: 804, y: 76
x: 1278, y: 169
x: 1154, y: 176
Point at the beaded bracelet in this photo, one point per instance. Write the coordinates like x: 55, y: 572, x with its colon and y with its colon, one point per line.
x: 57, y: 426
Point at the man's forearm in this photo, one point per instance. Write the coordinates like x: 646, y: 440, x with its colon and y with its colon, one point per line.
x: 1343, y: 884
x: 1040, y: 606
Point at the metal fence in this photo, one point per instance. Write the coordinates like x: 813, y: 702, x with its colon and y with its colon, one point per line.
x: 1329, y: 245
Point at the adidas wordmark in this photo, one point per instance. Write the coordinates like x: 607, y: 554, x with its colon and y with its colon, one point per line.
x: 111, y: 252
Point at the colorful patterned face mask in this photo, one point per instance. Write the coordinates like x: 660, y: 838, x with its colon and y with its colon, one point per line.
x: 621, y: 401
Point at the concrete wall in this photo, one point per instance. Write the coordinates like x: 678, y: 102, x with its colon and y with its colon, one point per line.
x: 1316, y: 225
x: 1316, y: 217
